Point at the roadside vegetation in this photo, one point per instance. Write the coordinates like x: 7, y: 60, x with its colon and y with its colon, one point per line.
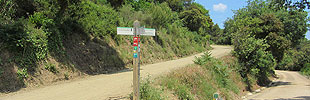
x: 44, y: 41
x: 268, y: 35
x: 198, y: 81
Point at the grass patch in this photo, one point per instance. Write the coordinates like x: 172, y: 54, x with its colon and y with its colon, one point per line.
x: 201, y: 80
x: 149, y: 92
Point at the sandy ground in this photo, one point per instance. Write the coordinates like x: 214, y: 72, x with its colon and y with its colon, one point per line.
x: 106, y: 86
x: 290, y: 86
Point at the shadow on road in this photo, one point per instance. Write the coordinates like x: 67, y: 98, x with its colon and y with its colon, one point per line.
x: 297, y: 98
x: 279, y: 83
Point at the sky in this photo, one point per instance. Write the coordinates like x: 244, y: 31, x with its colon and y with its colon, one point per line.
x: 220, y: 10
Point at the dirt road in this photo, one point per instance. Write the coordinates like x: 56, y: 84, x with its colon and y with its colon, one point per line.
x: 101, y: 87
x: 290, y: 86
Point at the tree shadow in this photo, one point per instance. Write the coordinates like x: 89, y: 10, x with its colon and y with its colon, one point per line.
x: 158, y: 40
x: 90, y: 56
x: 9, y: 81
x: 296, y: 98
x: 279, y: 83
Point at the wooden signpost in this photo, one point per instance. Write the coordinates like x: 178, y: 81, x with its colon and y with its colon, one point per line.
x: 136, y: 31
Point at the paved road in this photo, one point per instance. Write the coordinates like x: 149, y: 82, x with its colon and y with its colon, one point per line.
x: 102, y: 87
x: 290, y: 86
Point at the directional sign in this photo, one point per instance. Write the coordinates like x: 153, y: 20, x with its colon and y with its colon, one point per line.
x: 140, y: 31
x: 149, y: 32
x: 125, y: 31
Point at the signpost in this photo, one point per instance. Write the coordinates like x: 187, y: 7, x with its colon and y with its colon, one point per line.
x: 136, y: 31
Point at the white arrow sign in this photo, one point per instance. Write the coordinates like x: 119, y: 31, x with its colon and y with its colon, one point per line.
x: 125, y: 31
x: 130, y: 31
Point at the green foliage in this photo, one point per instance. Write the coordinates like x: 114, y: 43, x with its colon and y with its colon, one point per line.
x: 148, y: 92
x: 97, y: 20
x: 182, y: 90
x: 201, y: 82
x: 7, y: 9
x: 296, y: 59
x: 220, y: 71
x: 51, y: 67
x: 139, y: 5
x: 66, y: 75
x: 22, y: 73
x: 161, y: 15
x: 195, y: 18
x: 29, y: 42
x: 203, y: 59
x: 254, y: 58
x: 264, y: 31
x: 306, y: 69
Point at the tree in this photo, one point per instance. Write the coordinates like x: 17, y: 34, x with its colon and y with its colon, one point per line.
x: 196, y: 17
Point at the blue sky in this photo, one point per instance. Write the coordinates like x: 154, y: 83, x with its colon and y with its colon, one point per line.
x: 220, y: 10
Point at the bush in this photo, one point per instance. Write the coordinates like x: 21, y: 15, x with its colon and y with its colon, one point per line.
x: 29, y: 42
x: 306, y: 69
x: 97, y: 20
x: 254, y: 58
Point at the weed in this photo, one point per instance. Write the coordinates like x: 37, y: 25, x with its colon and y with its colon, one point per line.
x: 66, y: 75
x: 183, y: 91
x: 51, y: 67
x: 22, y: 73
x: 148, y: 92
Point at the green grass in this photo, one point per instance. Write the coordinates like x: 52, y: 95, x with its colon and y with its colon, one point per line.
x: 201, y: 81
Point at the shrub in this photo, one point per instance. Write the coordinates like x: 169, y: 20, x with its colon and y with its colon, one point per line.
x: 254, y: 58
x: 29, y: 42
x: 97, y: 20
x: 306, y: 69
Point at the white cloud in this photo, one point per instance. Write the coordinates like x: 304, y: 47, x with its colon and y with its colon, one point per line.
x: 219, y: 7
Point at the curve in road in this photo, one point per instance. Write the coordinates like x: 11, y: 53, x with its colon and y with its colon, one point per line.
x: 290, y: 86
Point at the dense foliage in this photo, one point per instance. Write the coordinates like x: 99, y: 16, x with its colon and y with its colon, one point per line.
x: 266, y: 36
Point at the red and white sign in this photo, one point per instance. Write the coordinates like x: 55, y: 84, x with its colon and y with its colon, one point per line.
x: 136, y: 39
x: 135, y: 44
